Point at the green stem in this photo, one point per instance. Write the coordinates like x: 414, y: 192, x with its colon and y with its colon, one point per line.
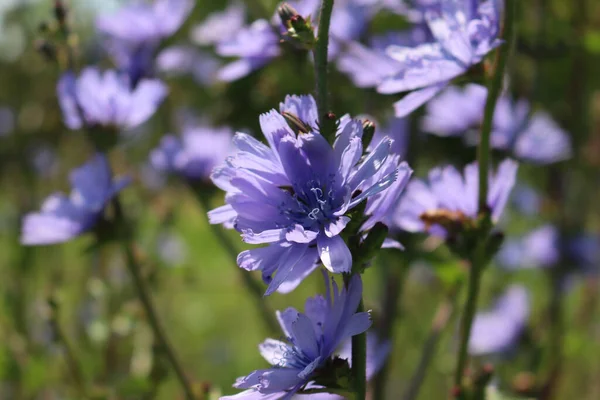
x: 467, y: 318
x: 394, y: 283
x: 326, y: 124
x: 494, y: 89
x: 253, y: 287
x: 146, y: 299
x: 359, y: 360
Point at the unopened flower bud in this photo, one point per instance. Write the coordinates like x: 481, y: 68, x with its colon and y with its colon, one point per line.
x: 60, y: 11
x: 286, y: 13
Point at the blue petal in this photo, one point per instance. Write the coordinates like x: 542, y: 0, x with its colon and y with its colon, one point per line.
x: 334, y: 253
x: 416, y: 99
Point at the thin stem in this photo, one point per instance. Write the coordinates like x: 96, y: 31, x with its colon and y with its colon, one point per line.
x: 359, y: 360
x: 467, y: 318
x: 326, y: 124
x: 146, y: 299
x: 70, y: 357
x: 495, y: 86
x: 442, y: 317
x: 253, y: 287
x: 394, y: 283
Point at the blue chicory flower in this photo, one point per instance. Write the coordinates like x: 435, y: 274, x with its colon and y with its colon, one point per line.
x: 63, y: 218
x: 296, y: 193
x: 497, y: 330
x: 195, y: 154
x: 448, y: 191
x: 538, y: 249
x: 536, y: 139
x: 106, y: 99
x: 465, y: 31
x: 313, y: 338
x: 134, y: 32
x: 220, y: 25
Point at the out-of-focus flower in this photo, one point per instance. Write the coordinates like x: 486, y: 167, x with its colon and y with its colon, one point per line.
x: 526, y: 200
x: 195, y: 154
x: 498, y: 329
x: 254, y: 46
x: 183, y: 60
x: 220, y: 25
x: 171, y: 249
x: 297, y: 194
x: 465, y: 31
x: 134, y: 32
x: 537, y: 139
x: 313, y: 338
x: 63, y: 218
x: 44, y: 160
x: 7, y: 121
x: 539, y: 248
x: 106, y: 99
x: 450, y: 197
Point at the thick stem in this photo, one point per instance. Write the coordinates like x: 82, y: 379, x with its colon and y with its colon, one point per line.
x: 393, y: 283
x: 326, y: 124
x: 467, y: 318
x: 149, y: 308
x: 254, y: 288
x: 359, y: 361
x: 494, y: 88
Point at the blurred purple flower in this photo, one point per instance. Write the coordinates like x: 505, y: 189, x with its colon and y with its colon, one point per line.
x: 182, y: 60
x: 255, y: 46
x: 63, y: 218
x: 526, y: 200
x: 465, y: 30
x: 106, y: 99
x: 313, y: 337
x: 295, y: 193
x: 584, y: 251
x: 219, y: 26
x: 195, y: 154
x: 498, y: 329
x: 538, y: 249
x: 448, y: 191
x: 133, y: 34
x: 171, y: 248
x: 537, y: 139
x: 44, y: 160
x: 7, y: 121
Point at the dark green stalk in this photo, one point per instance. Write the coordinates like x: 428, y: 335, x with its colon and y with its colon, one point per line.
x: 146, y: 300
x: 494, y: 89
x: 359, y: 361
x: 468, y: 315
x: 479, y: 258
x: 320, y: 55
x: 394, y: 279
x: 253, y: 287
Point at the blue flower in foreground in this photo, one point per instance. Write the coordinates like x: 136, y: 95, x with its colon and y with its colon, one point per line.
x: 195, y: 154
x: 63, y: 218
x: 465, y: 31
x: 107, y: 100
x: 313, y: 338
x: 498, y: 329
x: 377, y: 352
x: 295, y: 194
x: 452, y: 195
x: 537, y: 139
x: 134, y: 33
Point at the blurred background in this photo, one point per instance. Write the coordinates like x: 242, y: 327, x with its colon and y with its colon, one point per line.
x: 210, y: 317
